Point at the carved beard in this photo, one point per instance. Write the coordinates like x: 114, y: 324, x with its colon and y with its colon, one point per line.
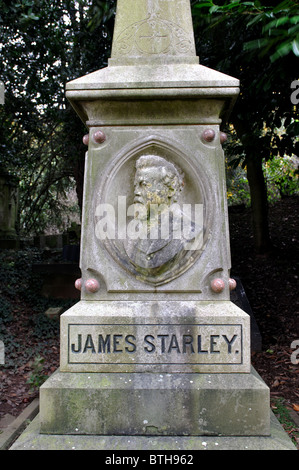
x: 158, y: 248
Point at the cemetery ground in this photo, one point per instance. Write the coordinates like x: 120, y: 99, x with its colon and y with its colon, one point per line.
x: 271, y: 284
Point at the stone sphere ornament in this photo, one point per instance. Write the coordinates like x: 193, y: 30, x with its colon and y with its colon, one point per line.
x: 208, y: 135
x: 86, y: 139
x: 78, y: 284
x: 232, y: 284
x: 99, y: 137
x: 217, y: 285
x: 223, y: 137
x: 92, y: 286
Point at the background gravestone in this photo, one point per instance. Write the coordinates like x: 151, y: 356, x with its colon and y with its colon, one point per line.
x: 9, y: 198
x: 2, y: 353
x: 2, y: 92
x: 154, y: 346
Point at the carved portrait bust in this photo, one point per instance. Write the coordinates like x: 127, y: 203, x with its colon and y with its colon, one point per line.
x: 152, y: 212
x: 163, y: 231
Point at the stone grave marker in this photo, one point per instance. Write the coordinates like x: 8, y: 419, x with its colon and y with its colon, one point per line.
x: 9, y: 200
x: 2, y: 92
x: 155, y: 347
x: 2, y: 353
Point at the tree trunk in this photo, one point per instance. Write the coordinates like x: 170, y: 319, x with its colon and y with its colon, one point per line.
x: 259, y: 204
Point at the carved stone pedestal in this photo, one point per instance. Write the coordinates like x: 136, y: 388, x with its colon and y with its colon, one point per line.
x: 147, y: 404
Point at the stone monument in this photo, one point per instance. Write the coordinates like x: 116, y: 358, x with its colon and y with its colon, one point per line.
x: 9, y: 203
x: 154, y: 347
x: 2, y: 92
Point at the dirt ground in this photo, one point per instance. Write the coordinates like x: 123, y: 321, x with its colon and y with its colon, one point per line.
x: 270, y: 283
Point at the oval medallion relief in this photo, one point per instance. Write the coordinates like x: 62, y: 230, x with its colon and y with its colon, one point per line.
x: 153, y: 211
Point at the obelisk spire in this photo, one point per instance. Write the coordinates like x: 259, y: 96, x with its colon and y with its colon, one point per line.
x: 147, y: 31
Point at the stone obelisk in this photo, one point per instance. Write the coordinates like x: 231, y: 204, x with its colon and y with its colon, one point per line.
x: 154, y: 346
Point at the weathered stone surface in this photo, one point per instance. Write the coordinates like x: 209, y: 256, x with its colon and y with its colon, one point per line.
x: 2, y: 90
x: 2, y: 353
x: 155, y: 404
x: 110, y: 170
x: 15, y: 426
x: 31, y: 439
x: 167, y: 336
x: 162, y: 110
x: 54, y: 312
x: 150, y: 29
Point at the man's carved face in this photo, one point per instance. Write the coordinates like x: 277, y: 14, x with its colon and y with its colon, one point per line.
x: 150, y: 187
x: 157, y: 183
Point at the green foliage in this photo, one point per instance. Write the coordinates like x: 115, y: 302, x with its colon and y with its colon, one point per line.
x: 281, y: 175
x: 36, y: 377
x: 12, y: 349
x: 23, y: 283
x: 16, y: 269
x: 45, y: 327
x: 280, y: 30
x: 246, y: 40
x: 264, y: 106
x: 237, y: 187
x: 5, y: 313
x: 43, y: 46
x: 282, y: 412
x: 279, y: 24
x: 21, y: 288
x: 223, y: 34
x: 282, y: 178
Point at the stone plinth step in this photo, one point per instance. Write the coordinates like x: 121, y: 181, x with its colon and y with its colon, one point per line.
x: 31, y: 439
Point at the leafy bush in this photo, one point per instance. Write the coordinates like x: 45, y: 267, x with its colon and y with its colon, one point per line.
x: 237, y: 187
x: 45, y: 327
x: 20, y: 283
x: 281, y: 175
x: 5, y: 312
x: 37, y: 377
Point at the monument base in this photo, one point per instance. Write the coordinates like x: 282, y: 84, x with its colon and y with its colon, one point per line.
x: 156, y: 337
x: 31, y: 439
x: 155, y: 404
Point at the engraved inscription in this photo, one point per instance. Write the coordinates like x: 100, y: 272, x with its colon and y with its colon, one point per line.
x: 155, y: 344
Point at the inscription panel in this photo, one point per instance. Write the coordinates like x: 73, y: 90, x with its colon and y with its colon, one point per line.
x: 155, y: 344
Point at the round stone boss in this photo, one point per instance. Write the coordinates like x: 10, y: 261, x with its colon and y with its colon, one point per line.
x: 92, y: 285
x: 186, y: 185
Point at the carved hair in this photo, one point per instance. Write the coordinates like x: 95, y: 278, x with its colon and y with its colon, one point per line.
x: 172, y: 176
